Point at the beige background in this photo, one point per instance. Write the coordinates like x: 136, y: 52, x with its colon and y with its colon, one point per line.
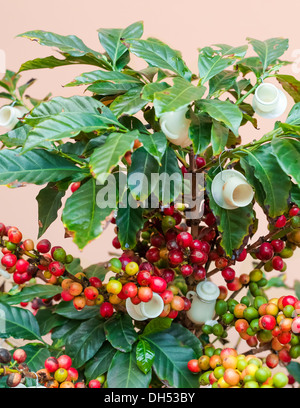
x: 183, y: 25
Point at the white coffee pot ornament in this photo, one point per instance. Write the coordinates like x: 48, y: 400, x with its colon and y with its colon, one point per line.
x: 269, y: 101
x: 203, y: 302
x: 176, y: 126
x: 145, y: 310
x: 9, y: 116
x: 230, y: 190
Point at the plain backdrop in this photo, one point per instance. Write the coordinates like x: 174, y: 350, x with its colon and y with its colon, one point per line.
x: 185, y: 26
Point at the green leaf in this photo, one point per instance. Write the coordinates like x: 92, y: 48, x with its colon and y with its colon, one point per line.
x: 269, y: 50
x: 74, y: 104
x: 36, y: 356
x: 180, y: 94
x: 209, y: 66
x: 15, y: 137
x: 234, y: 225
x: 47, y: 62
x: 294, y: 115
x: 160, y: 55
x: 144, y: 356
x: 250, y: 64
x: 110, y: 38
x: 223, y: 81
x: 170, y: 363
x: 170, y: 185
x: 276, y: 282
x: 295, y: 194
x: 49, y: 202
x: 155, y: 144
x: 291, y: 85
x: 219, y: 137
x: 157, y: 325
x: 65, y: 125
x: 36, y: 167
x: 150, y: 89
x: 143, y: 164
x: 297, y: 288
x: 30, y: 292
x: 18, y: 323
x: 106, y: 157
x: 61, y: 334
x: 200, y: 132
x: 274, y: 181
x: 48, y: 320
x: 82, y: 215
x: 294, y: 369
x: 74, y: 267
x: 98, y: 75
x: 223, y: 111
x: 129, y: 221
x: 68, y: 310
x: 120, y: 332
x: 186, y: 338
x: 22, y: 89
x: 260, y: 194
x: 109, y: 88
x: 129, y: 103
x: 125, y: 373
x: 287, y: 152
x: 69, y: 44
x: 99, y: 364
x: 97, y: 270
x: 84, y: 343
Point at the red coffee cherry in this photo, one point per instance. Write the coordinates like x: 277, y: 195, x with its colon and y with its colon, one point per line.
x: 43, y: 246
x: 228, y: 274
x: 106, y: 310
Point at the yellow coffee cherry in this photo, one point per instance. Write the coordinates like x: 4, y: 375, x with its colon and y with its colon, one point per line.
x: 114, y: 286
x: 132, y: 268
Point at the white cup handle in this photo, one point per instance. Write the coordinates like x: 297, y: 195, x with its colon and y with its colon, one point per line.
x: 191, y: 294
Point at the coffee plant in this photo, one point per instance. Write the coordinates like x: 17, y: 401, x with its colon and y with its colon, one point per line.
x: 135, y: 320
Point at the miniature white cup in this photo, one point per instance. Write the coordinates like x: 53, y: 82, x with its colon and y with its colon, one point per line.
x: 9, y: 116
x: 176, y: 126
x: 231, y: 190
x: 145, y: 310
x: 203, y: 302
x: 237, y: 192
x: 266, y: 97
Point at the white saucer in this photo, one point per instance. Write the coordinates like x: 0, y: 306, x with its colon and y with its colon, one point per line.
x: 278, y: 111
x: 218, y: 184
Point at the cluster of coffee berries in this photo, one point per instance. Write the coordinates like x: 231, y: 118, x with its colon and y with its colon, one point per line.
x: 225, y: 368
x: 14, y: 368
x: 58, y: 373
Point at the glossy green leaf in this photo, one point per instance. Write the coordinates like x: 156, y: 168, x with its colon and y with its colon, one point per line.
x: 37, y: 167
x: 200, y: 132
x: 185, y: 338
x: 143, y: 165
x: 48, y: 320
x: 49, y: 202
x: 99, y: 364
x: 222, y: 82
x: 129, y: 103
x: 129, y: 221
x: 144, y: 356
x: 295, y: 194
x: 273, y: 179
x: 47, y: 62
x: 155, y: 144
x: 287, y: 152
x: 109, y: 88
x: 30, y: 292
x: 269, y: 50
x: 125, y: 373
x: 60, y: 334
x: 106, y: 157
x: 15, y: 137
x: 250, y: 64
x: 98, y: 75
x: 68, y: 310
x: 110, y: 39
x: 294, y: 369
x: 291, y: 85
x: 84, y: 343
x: 260, y: 194
x: 223, y: 111
x: 18, y: 323
x: 160, y: 55
x: 157, y: 325
x: 219, y: 137
x: 97, y: 270
x: 65, y: 125
x: 234, y: 225
x: 120, y: 332
x: 150, y: 89
x: 180, y: 94
x: 82, y: 215
x: 170, y: 363
x: 209, y: 65
x: 74, y: 267
x: 294, y: 115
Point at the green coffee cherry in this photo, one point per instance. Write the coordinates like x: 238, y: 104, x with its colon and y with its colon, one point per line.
x: 221, y: 307
x: 245, y: 300
x: 250, y: 313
